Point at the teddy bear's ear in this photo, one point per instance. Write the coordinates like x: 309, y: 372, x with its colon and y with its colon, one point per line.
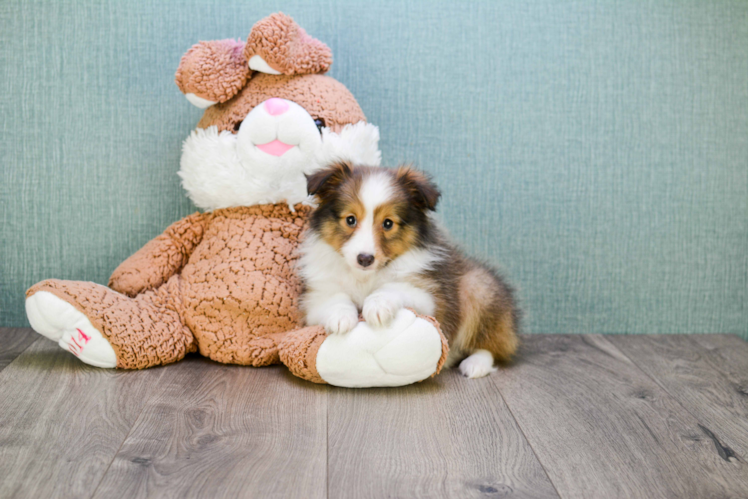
x: 277, y: 45
x: 212, y: 72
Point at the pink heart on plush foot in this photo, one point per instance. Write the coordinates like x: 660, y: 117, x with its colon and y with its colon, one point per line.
x: 275, y: 148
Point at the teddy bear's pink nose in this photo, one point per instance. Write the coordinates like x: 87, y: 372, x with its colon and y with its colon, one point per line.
x: 276, y: 106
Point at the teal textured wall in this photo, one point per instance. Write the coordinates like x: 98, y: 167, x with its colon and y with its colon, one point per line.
x: 596, y: 150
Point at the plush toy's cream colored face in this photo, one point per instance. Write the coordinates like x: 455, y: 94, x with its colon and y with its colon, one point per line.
x: 270, y: 117
x: 280, y: 121
x: 264, y: 155
x: 278, y: 135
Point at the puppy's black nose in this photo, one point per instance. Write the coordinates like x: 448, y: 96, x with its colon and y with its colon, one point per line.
x: 364, y: 259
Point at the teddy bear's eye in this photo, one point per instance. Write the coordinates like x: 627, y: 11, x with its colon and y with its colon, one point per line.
x: 320, y: 124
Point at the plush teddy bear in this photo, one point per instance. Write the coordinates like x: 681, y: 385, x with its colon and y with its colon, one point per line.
x: 223, y: 281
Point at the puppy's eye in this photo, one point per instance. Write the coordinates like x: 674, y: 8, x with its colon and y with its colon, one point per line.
x: 320, y: 124
x: 387, y: 224
x: 351, y: 221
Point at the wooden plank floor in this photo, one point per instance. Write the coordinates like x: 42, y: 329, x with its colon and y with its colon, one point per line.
x: 574, y: 416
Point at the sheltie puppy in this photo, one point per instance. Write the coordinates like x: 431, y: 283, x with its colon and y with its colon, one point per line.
x: 373, y: 245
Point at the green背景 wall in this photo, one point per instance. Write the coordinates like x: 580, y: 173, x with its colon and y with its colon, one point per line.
x: 597, y: 151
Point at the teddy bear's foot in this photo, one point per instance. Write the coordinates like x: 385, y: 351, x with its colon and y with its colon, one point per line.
x: 59, y: 321
x: 411, y: 349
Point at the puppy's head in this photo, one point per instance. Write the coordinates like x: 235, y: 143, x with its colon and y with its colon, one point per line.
x: 372, y: 215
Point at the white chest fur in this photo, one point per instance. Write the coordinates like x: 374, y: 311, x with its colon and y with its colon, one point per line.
x: 326, y: 272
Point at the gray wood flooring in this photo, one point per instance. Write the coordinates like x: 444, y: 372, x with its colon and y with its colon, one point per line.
x: 574, y: 416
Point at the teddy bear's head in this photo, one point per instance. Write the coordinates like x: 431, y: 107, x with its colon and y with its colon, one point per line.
x: 271, y: 116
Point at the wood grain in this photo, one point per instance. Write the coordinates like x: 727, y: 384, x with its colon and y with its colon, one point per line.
x: 61, y: 421
x: 708, y: 374
x: 225, y: 431
x: 13, y: 341
x: 446, y: 437
x: 602, y: 428
x: 586, y: 412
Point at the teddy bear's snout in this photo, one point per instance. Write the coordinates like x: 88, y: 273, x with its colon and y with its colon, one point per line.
x: 280, y: 128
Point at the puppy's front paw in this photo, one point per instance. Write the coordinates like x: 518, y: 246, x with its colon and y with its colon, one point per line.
x: 341, y: 321
x: 379, y: 310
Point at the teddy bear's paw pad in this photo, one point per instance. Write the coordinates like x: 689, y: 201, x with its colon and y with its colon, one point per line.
x: 58, y: 320
x: 407, y: 351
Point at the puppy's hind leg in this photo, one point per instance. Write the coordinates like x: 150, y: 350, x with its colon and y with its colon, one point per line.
x: 489, y: 323
x: 494, y: 340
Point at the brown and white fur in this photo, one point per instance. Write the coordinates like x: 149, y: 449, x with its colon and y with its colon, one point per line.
x: 374, y: 246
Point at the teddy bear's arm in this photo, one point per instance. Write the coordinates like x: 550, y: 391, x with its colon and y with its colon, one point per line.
x: 160, y: 258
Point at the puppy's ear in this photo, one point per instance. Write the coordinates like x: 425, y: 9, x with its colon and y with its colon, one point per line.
x: 421, y: 189
x: 323, y: 182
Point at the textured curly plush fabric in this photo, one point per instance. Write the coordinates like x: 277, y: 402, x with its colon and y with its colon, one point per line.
x: 298, y: 351
x: 160, y: 258
x: 144, y: 331
x: 240, y: 283
x: 214, y: 70
x: 286, y: 47
x: 322, y: 96
x: 222, y: 280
